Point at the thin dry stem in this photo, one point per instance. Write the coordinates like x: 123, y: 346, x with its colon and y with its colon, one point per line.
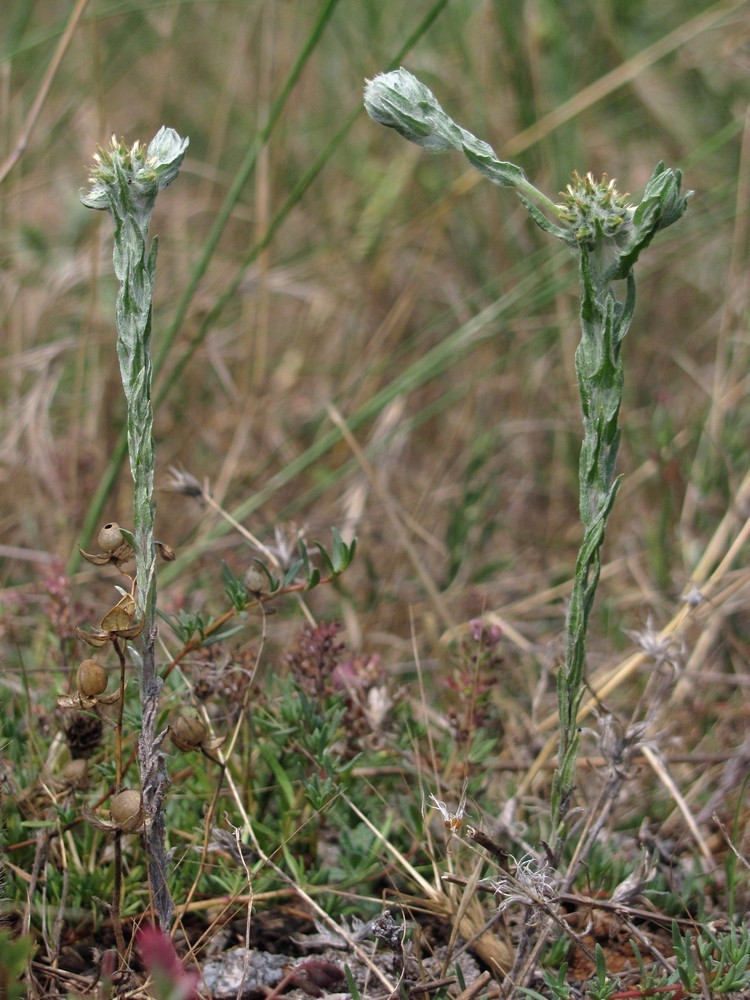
x: 400, y: 532
x: 657, y: 765
x: 42, y: 93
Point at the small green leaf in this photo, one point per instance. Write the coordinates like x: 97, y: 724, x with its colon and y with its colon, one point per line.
x: 224, y: 634
x: 234, y: 588
x: 351, y: 985
x: 128, y: 536
x: 292, y: 573
x: 481, y: 156
x: 282, y: 778
x: 15, y: 955
x: 340, y: 554
x: 305, y: 559
x: 273, y: 582
x: 325, y: 559
x: 601, y: 965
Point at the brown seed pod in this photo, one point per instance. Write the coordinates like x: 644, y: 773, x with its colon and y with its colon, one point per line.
x: 91, y: 678
x: 187, y: 732
x: 75, y: 774
x: 126, y: 810
x: 120, y: 617
x: 256, y: 581
x: 167, y: 553
x: 110, y: 537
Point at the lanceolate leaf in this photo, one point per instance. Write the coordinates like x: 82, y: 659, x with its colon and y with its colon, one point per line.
x: 292, y: 573
x: 340, y: 556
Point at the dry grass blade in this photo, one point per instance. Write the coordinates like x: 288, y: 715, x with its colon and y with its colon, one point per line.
x: 42, y: 94
x: 657, y: 764
x: 395, y: 521
x: 621, y: 75
x: 465, y: 915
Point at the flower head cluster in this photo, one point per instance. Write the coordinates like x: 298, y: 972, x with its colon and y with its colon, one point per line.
x: 142, y: 170
x: 594, y: 215
x: 592, y: 209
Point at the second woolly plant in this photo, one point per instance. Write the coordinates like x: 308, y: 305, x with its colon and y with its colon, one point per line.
x: 607, y: 235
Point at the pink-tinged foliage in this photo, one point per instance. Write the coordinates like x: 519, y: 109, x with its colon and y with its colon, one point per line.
x: 162, y: 962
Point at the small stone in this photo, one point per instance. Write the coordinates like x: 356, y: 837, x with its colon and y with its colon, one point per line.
x: 261, y: 970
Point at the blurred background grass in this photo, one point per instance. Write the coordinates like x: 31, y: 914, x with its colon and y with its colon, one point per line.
x: 420, y: 303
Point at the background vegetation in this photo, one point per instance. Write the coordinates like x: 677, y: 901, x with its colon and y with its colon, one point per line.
x: 359, y: 279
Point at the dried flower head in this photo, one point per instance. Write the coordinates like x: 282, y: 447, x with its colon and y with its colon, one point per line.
x: 125, y: 811
x: 118, y: 623
x: 618, y: 744
x: 314, y: 661
x: 110, y: 537
x: 91, y: 678
x: 83, y: 732
x: 183, y: 482
x: 256, y: 579
x: 75, y: 774
x: 531, y: 884
x: 662, y: 648
x: 91, y: 683
x: 453, y: 820
x: 188, y: 731
x: 167, y: 553
x: 115, y: 546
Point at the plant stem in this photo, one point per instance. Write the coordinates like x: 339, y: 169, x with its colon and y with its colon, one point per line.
x: 604, y: 323
x: 608, y: 236
x: 118, y: 721
x: 117, y: 900
x: 126, y: 182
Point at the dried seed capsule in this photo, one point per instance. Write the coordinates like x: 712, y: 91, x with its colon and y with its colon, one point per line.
x: 167, y: 553
x: 187, y: 732
x: 75, y: 774
x: 92, y: 678
x: 125, y: 810
x: 110, y: 537
x: 256, y: 580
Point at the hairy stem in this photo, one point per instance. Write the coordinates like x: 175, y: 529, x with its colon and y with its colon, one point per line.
x: 126, y: 182
x: 608, y: 235
x: 604, y: 323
